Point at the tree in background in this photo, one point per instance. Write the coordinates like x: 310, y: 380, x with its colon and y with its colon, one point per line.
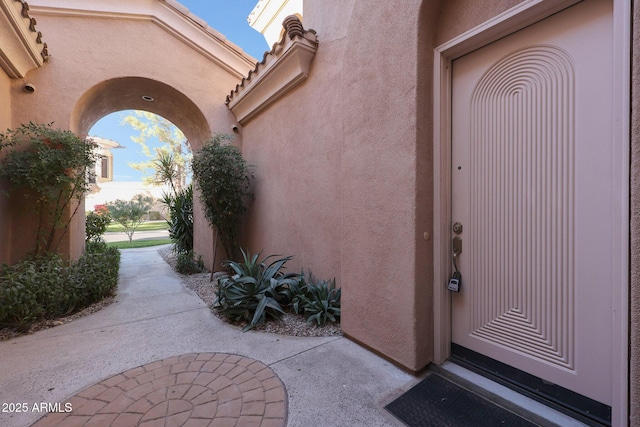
x: 50, y: 167
x: 168, y: 162
x: 130, y: 213
x: 224, y: 180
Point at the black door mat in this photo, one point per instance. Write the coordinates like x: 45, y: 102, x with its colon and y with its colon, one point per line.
x: 437, y: 402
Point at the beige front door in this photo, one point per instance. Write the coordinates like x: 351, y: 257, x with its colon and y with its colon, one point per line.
x: 537, y: 190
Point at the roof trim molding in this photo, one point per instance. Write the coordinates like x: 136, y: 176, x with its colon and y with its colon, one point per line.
x: 169, y: 15
x: 281, y: 70
x: 22, y: 48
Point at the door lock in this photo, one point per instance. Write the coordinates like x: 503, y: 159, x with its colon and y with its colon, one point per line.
x: 457, y: 228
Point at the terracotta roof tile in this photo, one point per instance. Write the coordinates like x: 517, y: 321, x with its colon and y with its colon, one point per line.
x: 32, y: 27
x: 293, y: 29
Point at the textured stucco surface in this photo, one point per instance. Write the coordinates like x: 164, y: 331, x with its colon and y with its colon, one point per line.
x: 634, y: 365
x: 108, y: 69
x: 379, y: 186
x: 459, y: 16
x: 337, y: 175
x: 5, y: 123
x: 295, y: 148
x: 5, y: 100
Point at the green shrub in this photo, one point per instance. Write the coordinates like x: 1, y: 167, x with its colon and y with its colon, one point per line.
x: 256, y: 290
x: 95, y: 274
x: 96, y: 225
x: 187, y: 264
x: 47, y: 287
x: 154, y: 216
x: 49, y: 167
x: 317, y: 299
x: 18, y: 297
x: 224, y: 180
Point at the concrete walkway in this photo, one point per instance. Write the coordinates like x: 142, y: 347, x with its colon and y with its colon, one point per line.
x: 158, y: 357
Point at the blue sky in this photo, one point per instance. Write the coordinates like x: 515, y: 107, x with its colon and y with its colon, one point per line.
x: 228, y: 17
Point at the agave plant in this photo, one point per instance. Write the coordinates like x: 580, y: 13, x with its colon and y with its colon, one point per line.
x: 318, y: 299
x: 256, y: 290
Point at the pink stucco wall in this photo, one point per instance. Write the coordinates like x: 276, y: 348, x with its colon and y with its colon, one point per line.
x: 5, y: 123
x: 338, y: 181
x: 458, y: 16
x: 386, y: 292
x: 295, y: 152
x: 5, y: 103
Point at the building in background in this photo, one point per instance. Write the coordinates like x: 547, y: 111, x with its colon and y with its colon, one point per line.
x: 268, y: 15
x: 105, y: 190
x: 104, y: 164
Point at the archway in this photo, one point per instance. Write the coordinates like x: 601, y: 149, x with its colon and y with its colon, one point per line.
x: 140, y: 93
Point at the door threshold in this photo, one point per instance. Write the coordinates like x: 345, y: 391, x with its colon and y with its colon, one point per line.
x: 577, y: 406
x: 518, y: 403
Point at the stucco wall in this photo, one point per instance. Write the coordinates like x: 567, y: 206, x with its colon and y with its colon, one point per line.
x: 337, y: 175
x: 117, y: 48
x: 69, y: 92
x: 5, y: 101
x: 634, y: 365
x: 459, y: 16
x: 294, y: 147
x: 381, y: 248
x: 5, y: 123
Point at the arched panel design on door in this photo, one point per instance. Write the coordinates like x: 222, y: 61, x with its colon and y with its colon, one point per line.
x: 534, y: 183
x: 522, y: 158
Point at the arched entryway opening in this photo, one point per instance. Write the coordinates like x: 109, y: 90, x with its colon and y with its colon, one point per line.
x: 140, y: 93
x: 155, y: 50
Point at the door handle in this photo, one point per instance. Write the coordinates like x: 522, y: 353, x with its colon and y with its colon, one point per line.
x: 456, y: 279
x: 457, y: 246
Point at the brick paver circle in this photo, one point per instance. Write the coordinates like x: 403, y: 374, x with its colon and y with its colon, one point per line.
x: 192, y: 390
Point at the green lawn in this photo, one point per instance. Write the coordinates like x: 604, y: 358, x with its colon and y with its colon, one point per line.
x: 145, y: 226
x: 139, y: 243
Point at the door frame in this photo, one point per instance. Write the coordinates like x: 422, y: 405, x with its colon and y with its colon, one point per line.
x: 526, y: 13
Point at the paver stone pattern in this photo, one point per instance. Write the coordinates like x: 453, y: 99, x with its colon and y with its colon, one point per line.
x: 191, y: 390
